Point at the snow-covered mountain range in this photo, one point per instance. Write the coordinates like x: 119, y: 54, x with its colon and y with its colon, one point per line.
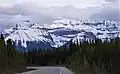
x: 47, y: 36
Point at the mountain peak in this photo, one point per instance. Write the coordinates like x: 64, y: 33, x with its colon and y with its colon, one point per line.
x: 60, y: 32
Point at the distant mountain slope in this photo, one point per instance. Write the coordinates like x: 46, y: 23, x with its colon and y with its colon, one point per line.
x: 60, y: 32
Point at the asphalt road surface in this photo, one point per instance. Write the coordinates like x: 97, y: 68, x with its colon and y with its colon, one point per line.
x: 48, y: 70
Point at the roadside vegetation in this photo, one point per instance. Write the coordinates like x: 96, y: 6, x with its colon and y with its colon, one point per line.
x: 95, y: 57
x: 11, y: 61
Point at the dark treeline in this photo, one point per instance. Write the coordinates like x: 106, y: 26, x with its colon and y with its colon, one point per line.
x: 47, y: 57
x: 11, y: 61
x: 95, y: 57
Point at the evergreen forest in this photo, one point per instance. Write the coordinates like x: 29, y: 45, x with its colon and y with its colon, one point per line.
x: 86, y: 57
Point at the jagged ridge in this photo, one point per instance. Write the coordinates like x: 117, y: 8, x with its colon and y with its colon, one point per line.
x: 60, y: 32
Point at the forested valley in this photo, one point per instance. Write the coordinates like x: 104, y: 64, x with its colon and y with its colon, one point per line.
x: 86, y: 57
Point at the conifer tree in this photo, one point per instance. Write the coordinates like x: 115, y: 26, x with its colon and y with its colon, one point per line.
x: 11, y: 52
x: 15, y: 60
x: 3, y: 55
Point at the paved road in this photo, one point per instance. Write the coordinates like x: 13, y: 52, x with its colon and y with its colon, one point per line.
x: 49, y: 70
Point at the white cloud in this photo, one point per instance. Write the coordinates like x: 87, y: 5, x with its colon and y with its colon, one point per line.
x: 34, y: 12
x: 46, y: 3
x: 109, y: 11
x: 111, y: 0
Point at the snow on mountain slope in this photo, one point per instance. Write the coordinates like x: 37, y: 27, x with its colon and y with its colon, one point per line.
x: 63, y: 21
x: 29, y: 36
x: 59, y: 40
x: 60, y: 32
x: 80, y: 37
